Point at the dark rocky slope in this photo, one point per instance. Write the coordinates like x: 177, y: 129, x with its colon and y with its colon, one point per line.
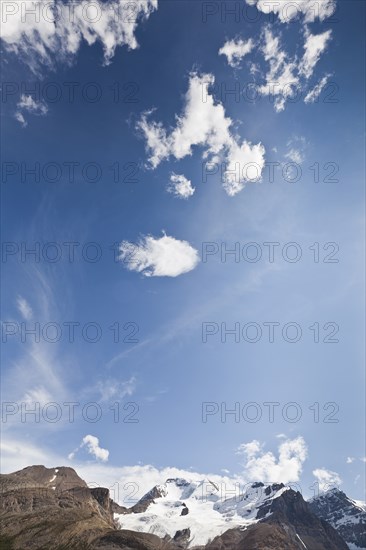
x: 291, y: 525
x: 344, y: 514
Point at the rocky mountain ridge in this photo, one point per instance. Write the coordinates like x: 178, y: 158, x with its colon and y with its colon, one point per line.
x: 347, y: 516
x: 54, y: 509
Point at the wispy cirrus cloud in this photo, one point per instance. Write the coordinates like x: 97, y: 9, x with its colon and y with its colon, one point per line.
x: 315, y: 92
x: 55, y: 30
x: 24, y: 308
x: 314, y: 46
x: 108, y: 389
x: 287, y: 74
x: 296, y: 149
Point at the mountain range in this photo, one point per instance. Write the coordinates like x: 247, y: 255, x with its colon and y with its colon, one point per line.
x: 54, y: 509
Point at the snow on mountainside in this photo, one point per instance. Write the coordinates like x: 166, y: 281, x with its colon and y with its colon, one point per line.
x: 200, y: 507
x: 347, y: 516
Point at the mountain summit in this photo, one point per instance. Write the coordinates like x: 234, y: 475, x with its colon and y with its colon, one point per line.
x: 55, y: 509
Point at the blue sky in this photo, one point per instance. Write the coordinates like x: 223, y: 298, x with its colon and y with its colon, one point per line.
x: 158, y: 153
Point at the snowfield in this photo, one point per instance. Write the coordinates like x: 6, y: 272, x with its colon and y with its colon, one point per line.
x: 209, y: 515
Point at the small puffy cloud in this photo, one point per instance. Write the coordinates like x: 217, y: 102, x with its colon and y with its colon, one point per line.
x: 350, y: 459
x: 326, y: 479
x: 249, y: 449
x: 56, y: 30
x: 159, y: 257
x: 315, y: 92
x: 287, y: 10
x: 92, y: 445
x: 180, y: 186
x: 24, y: 308
x: 244, y: 163
x: 30, y: 106
x: 315, y: 45
x: 204, y: 124
x: 236, y: 50
x: 264, y: 466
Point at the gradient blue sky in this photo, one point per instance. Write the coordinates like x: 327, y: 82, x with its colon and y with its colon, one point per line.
x: 170, y: 372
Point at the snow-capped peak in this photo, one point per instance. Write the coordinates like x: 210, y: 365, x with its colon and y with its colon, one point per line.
x: 203, y: 507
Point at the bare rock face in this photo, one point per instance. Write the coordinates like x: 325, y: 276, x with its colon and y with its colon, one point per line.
x: 142, y: 505
x: 182, y: 538
x: 54, y: 509
x: 40, y: 505
x: 290, y: 526
x: 62, y: 478
x: 347, y: 516
x: 130, y: 540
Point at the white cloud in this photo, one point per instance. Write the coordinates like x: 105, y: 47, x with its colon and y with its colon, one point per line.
x: 159, y: 257
x: 326, y: 479
x: 143, y: 477
x: 244, y: 163
x: 28, y: 105
x: 287, y: 75
x: 204, y: 123
x: 295, y: 155
x: 24, y: 308
x: 180, y: 186
x: 37, y: 395
x: 114, y: 389
x: 236, y: 50
x: 39, y: 370
x: 249, y: 449
x: 289, y: 11
x: 296, y: 152
x: 20, y: 118
x: 264, y: 466
x: 92, y: 445
x: 281, y: 81
x: 313, y: 94
x: 59, y: 28
x: 315, y: 45
x: 350, y: 459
